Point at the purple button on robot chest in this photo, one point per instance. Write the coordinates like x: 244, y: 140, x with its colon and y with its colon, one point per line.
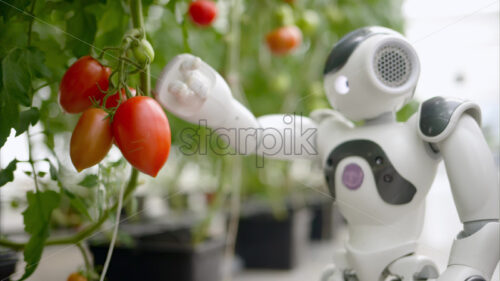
x: 352, y: 176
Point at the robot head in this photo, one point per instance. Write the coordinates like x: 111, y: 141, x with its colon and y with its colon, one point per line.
x: 371, y: 71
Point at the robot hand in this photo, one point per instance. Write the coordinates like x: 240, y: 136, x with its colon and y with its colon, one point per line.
x: 461, y: 272
x: 192, y: 90
x: 331, y: 273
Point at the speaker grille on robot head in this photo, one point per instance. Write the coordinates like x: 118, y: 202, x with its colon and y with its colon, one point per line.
x: 392, y: 65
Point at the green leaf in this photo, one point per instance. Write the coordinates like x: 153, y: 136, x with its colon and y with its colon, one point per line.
x: 11, y: 8
x: 52, y: 170
x: 16, y: 76
x: 9, y: 114
x: 77, y: 203
x: 37, y: 223
x: 7, y: 174
x: 26, y: 118
x: 112, y: 23
x: 13, y: 35
x: 89, y: 181
x: 28, y: 173
x: 36, y: 62
x: 42, y: 174
x: 1, y: 77
x: 171, y: 5
x: 82, y: 28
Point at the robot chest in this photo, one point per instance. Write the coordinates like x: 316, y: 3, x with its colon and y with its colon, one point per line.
x: 361, y: 162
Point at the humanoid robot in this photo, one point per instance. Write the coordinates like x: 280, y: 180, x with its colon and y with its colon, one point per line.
x: 379, y: 173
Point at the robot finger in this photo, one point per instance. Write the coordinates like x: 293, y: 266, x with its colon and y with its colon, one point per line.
x: 189, y: 64
x: 197, y: 82
x: 331, y: 273
x: 180, y: 91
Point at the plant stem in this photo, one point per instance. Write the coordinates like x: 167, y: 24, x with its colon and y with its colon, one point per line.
x: 115, y: 234
x: 138, y: 22
x: 185, y: 37
x: 234, y: 162
x: 92, y: 228
x: 30, y: 160
x: 88, y: 266
x: 89, y: 230
x: 32, y: 19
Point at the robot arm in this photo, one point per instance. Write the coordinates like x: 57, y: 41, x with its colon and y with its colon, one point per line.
x: 452, y: 127
x: 195, y: 92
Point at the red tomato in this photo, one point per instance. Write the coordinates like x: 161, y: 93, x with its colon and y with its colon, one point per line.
x: 203, y: 12
x: 76, y: 277
x: 283, y: 40
x: 79, y: 84
x: 113, y: 100
x: 91, y: 139
x: 142, y: 133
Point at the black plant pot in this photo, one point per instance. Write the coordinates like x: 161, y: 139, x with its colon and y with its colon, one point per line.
x: 266, y: 242
x: 8, y: 261
x: 321, y: 222
x: 162, y: 254
x: 326, y: 218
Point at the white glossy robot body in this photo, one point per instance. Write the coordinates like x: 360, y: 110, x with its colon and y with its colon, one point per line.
x: 371, y: 171
x: 378, y: 173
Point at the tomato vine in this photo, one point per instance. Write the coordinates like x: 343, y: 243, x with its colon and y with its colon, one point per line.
x: 40, y: 39
x: 45, y: 201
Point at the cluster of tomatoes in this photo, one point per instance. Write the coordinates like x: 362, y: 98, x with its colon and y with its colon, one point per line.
x: 288, y: 37
x: 280, y: 41
x: 136, y: 124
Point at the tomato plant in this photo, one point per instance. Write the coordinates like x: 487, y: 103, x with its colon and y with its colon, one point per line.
x: 60, y: 57
x: 91, y: 139
x: 83, y: 81
x: 142, y: 133
x: 203, y: 12
x: 284, y: 40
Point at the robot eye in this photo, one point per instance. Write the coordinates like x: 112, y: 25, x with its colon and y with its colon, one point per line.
x: 342, y: 85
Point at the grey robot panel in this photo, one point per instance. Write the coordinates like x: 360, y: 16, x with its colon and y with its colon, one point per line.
x: 391, y: 186
x: 346, y: 46
x: 436, y: 114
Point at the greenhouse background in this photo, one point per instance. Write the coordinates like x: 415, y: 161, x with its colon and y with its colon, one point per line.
x: 457, y: 43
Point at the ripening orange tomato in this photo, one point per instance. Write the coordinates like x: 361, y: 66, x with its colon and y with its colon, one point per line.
x: 91, y: 140
x: 76, y: 277
x: 283, y: 40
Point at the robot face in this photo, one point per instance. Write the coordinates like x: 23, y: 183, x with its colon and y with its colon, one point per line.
x: 369, y: 72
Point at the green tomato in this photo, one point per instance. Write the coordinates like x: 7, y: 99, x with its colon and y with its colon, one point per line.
x: 284, y: 15
x: 281, y: 83
x: 143, y: 52
x: 309, y: 22
x: 335, y: 15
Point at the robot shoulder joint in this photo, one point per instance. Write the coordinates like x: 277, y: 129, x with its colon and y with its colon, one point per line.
x: 438, y: 116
